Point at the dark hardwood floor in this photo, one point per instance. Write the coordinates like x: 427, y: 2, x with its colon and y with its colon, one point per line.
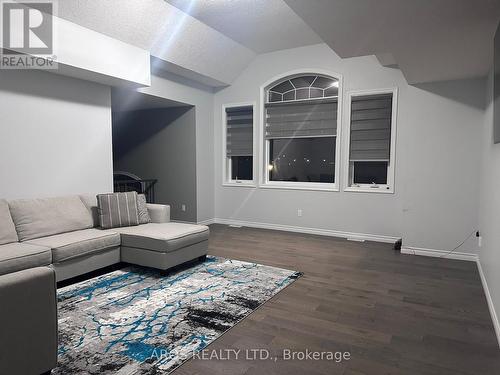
x: 395, y: 314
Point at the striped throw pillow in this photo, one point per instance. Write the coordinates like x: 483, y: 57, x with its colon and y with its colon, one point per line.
x: 117, y: 210
x: 142, y: 206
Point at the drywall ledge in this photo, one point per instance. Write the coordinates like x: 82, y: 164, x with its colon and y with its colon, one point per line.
x: 86, y: 54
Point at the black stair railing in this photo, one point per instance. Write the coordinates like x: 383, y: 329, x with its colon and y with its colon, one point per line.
x: 146, y: 187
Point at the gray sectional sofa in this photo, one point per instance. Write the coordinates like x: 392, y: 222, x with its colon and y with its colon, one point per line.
x: 43, y: 241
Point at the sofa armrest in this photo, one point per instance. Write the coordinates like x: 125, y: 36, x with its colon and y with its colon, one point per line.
x: 159, y: 213
x: 28, y: 312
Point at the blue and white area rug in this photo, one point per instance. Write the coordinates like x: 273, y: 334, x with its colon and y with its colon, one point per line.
x: 135, y: 321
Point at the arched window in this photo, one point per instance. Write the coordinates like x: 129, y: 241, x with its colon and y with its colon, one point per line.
x: 300, y: 131
x: 303, y: 87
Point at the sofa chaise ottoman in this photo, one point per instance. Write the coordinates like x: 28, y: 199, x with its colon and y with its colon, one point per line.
x: 161, y: 245
x: 69, y: 227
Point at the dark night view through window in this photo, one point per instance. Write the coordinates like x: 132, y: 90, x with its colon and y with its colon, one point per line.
x: 301, y: 129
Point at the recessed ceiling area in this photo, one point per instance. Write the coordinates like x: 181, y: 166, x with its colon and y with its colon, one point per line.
x: 430, y: 40
x: 260, y: 25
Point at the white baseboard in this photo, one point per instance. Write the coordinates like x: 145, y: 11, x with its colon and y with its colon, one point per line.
x: 321, y: 232
x: 439, y: 253
x: 493, y: 313
x: 206, y: 222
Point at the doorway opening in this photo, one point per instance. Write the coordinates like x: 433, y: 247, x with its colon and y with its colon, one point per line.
x: 154, y: 150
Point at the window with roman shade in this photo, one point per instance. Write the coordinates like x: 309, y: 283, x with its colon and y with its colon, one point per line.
x: 300, y: 131
x: 239, y: 143
x: 315, y: 118
x: 371, y: 132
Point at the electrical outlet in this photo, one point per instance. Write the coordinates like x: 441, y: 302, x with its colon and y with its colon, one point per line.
x: 183, y: 208
x: 299, y: 212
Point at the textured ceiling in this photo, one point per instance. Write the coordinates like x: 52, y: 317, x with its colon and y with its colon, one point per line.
x: 260, y: 25
x: 168, y: 33
x: 212, y: 41
x: 430, y: 40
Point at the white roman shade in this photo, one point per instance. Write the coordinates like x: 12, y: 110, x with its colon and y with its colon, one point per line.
x: 311, y: 118
x: 370, y: 138
x: 239, y: 131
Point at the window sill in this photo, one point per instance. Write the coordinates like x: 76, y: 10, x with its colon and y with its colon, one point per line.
x: 299, y: 186
x: 249, y: 184
x: 362, y: 189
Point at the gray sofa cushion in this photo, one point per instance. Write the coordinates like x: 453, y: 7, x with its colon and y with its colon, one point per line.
x: 71, y: 245
x: 90, y: 202
x: 118, y: 210
x: 142, y: 206
x: 35, y: 218
x: 159, y: 213
x: 8, y: 232
x: 163, y: 237
x: 20, y: 256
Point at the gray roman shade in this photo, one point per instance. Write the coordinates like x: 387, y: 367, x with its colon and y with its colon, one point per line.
x: 371, y: 127
x: 239, y: 131
x: 311, y: 118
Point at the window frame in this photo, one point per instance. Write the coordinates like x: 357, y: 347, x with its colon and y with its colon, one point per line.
x: 226, y: 162
x: 264, y: 181
x: 389, y: 187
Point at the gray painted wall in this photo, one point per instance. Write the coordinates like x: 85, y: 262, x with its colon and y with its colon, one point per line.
x: 202, y: 98
x: 161, y: 144
x: 437, y: 158
x: 55, y: 135
x: 489, y: 208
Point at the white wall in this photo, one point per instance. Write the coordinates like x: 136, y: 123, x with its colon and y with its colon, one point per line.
x: 55, y: 135
x: 181, y: 90
x: 438, y: 147
x: 438, y: 164
x: 489, y: 209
